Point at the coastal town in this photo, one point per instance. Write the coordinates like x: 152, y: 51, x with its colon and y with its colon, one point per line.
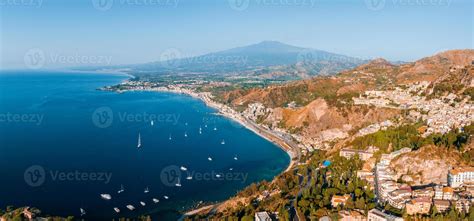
x: 440, y: 115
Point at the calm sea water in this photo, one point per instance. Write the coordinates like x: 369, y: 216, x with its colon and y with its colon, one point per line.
x: 63, y: 143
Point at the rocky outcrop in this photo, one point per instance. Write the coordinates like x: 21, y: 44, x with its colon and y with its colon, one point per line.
x: 429, y: 164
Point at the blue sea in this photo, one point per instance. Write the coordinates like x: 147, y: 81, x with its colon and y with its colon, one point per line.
x: 63, y: 143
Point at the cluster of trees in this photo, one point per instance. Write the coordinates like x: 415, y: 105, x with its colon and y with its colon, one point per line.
x: 339, y: 178
x: 409, y: 136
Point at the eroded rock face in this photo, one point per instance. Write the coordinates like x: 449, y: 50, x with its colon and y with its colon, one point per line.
x: 427, y: 165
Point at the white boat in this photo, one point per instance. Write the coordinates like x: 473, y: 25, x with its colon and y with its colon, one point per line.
x: 142, y: 203
x: 106, y: 196
x: 205, y: 125
x: 215, y: 128
x: 83, y: 212
x: 183, y: 168
x: 235, y: 158
x: 152, y: 123
x: 200, y: 130
x: 130, y: 207
x: 179, y: 183
x: 139, y: 141
x: 166, y: 197
x: 155, y: 200
x: 185, y: 134
x: 218, y: 175
x: 209, y: 158
x: 146, y: 190
x: 223, y: 142
x: 117, y: 210
x: 186, y: 123
x: 169, y: 137
x: 189, y: 178
x: 231, y: 169
x: 121, y: 189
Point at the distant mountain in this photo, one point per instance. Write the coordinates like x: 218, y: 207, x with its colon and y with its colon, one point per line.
x: 257, y: 56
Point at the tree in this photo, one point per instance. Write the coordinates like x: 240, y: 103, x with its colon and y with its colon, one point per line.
x: 247, y: 218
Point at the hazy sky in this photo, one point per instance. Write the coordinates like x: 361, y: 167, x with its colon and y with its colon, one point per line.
x: 88, y: 32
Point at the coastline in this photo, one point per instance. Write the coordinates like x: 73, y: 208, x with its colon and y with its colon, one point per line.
x: 290, y: 148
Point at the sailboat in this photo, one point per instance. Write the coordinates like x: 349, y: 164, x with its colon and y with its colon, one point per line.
x: 146, y: 190
x: 223, y: 142
x: 235, y: 158
x: 155, y: 200
x: 209, y: 158
x: 215, y: 128
x: 83, y: 212
x: 130, y: 207
x: 117, y: 210
x: 139, y: 141
x: 169, y: 137
x: 152, y: 123
x: 142, y: 203
x: 189, y: 178
x: 185, y: 134
x: 183, y: 168
x: 121, y: 189
x: 166, y: 197
x: 179, y: 183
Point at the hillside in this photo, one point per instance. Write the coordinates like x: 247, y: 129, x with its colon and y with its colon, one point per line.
x: 323, y: 109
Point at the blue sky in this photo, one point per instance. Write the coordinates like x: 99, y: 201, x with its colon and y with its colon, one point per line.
x: 137, y: 31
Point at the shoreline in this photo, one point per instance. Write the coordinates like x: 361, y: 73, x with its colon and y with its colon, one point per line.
x: 231, y: 114
x: 224, y: 110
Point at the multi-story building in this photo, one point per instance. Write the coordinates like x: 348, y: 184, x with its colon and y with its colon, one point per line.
x: 420, y: 205
x: 448, y: 193
x: 460, y: 176
x: 262, y: 216
x: 350, y: 153
x: 441, y: 205
x: 425, y: 192
x: 351, y: 216
x: 377, y: 215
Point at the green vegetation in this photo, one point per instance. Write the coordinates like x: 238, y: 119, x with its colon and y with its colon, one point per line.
x: 409, y: 136
x: 469, y: 92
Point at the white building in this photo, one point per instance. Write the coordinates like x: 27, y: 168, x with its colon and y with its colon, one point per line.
x: 377, y: 215
x: 262, y: 216
x: 460, y: 176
